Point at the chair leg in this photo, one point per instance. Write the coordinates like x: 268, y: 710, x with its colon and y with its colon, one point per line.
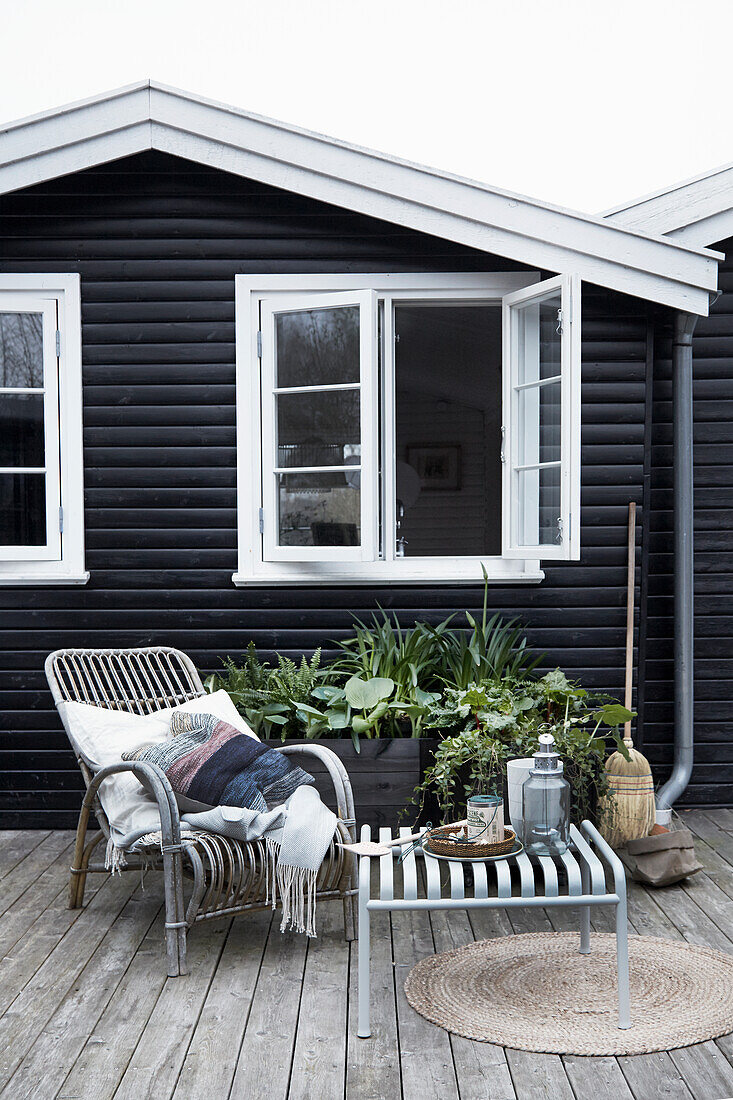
x: 175, y: 924
x: 80, y: 862
x: 350, y: 918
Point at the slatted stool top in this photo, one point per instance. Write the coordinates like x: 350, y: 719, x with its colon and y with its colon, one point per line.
x: 517, y: 876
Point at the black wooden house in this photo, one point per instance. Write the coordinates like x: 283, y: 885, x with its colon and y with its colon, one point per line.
x: 254, y: 380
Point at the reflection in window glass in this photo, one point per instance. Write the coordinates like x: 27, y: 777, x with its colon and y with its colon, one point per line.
x: 539, y: 490
x: 319, y: 509
x: 21, y: 429
x: 315, y: 428
x: 448, y: 429
x: 317, y: 347
x: 22, y: 509
x: 21, y: 350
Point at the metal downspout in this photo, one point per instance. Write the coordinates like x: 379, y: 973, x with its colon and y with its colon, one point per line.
x: 684, y: 568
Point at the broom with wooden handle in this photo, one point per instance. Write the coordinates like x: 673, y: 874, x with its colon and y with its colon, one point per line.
x: 630, y: 810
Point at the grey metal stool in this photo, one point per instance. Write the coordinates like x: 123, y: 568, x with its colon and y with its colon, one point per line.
x: 581, y: 885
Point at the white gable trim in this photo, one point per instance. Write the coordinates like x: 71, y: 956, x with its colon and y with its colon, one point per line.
x: 697, y: 212
x: 152, y: 116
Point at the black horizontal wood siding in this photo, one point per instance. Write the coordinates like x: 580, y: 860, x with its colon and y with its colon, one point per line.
x: 712, y: 778
x: 157, y: 242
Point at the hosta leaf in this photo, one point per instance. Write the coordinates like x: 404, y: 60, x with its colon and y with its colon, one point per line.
x: 365, y: 694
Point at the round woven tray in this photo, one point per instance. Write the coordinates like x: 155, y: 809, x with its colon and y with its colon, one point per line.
x: 441, y: 841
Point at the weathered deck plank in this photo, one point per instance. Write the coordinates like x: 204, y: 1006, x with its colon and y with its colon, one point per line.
x: 373, y: 1065
x: 49, y: 961
x: 64, y: 1035
x: 319, y: 1058
x: 266, y: 1053
x: 158, y: 1059
x: 86, y: 1010
x: 212, y: 1055
x: 111, y: 1044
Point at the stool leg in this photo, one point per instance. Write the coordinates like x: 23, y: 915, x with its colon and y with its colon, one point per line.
x: 364, y: 1030
x: 585, y: 912
x: 622, y: 961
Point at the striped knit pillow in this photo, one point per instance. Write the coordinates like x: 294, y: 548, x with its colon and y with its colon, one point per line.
x: 209, y: 761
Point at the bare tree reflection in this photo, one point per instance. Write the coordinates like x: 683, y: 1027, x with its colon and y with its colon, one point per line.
x: 21, y: 350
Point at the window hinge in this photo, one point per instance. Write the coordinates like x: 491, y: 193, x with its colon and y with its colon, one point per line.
x: 262, y: 520
x: 58, y: 343
x: 259, y: 345
x: 61, y: 520
x: 503, y: 437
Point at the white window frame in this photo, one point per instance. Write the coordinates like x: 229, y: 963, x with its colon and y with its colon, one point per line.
x: 566, y: 546
x: 250, y: 292
x: 61, y: 561
x: 367, y: 549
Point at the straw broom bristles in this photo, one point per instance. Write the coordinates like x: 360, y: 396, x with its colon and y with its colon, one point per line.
x: 629, y: 810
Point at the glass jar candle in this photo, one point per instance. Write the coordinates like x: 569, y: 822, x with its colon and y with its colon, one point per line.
x: 546, y: 803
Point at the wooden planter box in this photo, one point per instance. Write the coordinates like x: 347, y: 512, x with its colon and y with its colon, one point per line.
x: 383, y: 775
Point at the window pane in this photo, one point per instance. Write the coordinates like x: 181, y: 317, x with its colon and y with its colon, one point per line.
x: 539, y: 424
x: 317, y: 347
x: 539, y: 342
x: 539, y: 506
x: 448, y: 429
x: 319, y: 509
x: 22, y: 509
x: 21, y: 349
x: 318, y: 429
x: 21, y: 429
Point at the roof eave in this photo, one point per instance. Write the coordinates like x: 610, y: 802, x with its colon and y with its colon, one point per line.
x: 148, y: 115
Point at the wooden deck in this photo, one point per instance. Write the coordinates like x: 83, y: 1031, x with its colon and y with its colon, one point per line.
x: 87, y: 1012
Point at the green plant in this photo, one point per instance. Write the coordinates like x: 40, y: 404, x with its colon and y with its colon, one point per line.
x: 498, y: 720
x: 361, y: 706
x: 267, y: 696
x: 490, y: 650
x: 407, y: 657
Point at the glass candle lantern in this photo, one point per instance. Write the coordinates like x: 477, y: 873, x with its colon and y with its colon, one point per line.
x: 546, y: 803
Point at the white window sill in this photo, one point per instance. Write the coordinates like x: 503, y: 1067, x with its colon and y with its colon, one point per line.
x: 28, y: 575
x: 404, y: 571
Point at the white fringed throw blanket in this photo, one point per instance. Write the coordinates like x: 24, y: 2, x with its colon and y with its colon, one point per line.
x: 297, y: 836
x: 254, y: 793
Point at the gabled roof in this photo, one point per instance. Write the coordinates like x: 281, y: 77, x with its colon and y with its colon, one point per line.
x: 697, y: 211
x: 151, y: 116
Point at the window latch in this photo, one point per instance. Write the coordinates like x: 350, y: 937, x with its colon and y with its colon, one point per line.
x: 559, y: 535
x: 558, y: 328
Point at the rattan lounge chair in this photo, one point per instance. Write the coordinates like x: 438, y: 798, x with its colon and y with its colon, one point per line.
x: 226, y: 877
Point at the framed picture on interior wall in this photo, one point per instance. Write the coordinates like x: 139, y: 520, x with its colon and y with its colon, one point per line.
x: 437, y: 464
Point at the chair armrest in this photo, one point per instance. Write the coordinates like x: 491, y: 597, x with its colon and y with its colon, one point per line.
x: 156, y: 783
x: 338, y: 775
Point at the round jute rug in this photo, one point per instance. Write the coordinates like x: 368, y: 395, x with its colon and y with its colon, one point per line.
x: 537, y: 992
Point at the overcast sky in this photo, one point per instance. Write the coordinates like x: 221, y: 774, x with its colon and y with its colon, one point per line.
x: 584, y: 103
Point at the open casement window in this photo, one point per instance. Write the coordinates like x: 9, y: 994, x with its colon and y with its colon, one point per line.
x: 541, y: 446
x: 319, y: 427
x: 30, y: 492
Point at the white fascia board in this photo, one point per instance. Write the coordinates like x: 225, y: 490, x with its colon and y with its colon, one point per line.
x: 445, y: 206
x: 75, y: 137
x: 697, y: 212
x: 149, y: 115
